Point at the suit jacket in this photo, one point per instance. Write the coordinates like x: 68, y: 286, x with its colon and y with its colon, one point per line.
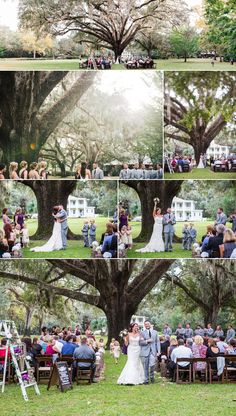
x: 97, y: 174
x: 63, y: 217
x: 169, y: 227
x: 125, y: 174
x: 137, y: 174
x: 148, y: 348
x: 221, y: 218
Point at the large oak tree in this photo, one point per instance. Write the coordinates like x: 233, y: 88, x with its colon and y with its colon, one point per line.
x: 115, y: 287
x: 27, y: 115
x: 198, y: 105
x: 147, y: 191
x: 111, y: 24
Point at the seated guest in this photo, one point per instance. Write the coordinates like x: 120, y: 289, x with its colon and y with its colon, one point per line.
x: 232, y: 219
x: 230, y: 333
x: 210, y: 232
x: 229, y: 244
x: 180, y: 352
x: 50, y: 347
x: 23, y: 173
x: 33, y: 173
x: 218, y: 332
x: 3, y: 244
x: 69, y: 346
x: 85, y: 352
x: 212, y: 351
x: 165, y: 344
x: 221, y: 344
x: 36, y: 349
x: 215, y: 242
x: 3, y: 344
x: 173, y: 345
x: 199, y: 351
x: 2, y: 171
x: 110, y: 240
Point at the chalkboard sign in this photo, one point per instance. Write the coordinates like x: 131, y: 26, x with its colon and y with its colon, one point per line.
x: 60, y: 376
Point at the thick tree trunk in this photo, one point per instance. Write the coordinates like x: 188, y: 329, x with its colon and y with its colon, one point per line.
x: 29, y: 313
x: 49, y: 194
x: 211, y: 316
x: 147, y: 191
x: 24, y: 127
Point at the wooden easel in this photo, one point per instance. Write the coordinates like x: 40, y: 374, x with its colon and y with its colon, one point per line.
x: 12, y: 340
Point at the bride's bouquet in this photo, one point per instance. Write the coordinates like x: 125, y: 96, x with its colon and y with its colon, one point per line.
x: 156, y: 201
x: 123, y: 333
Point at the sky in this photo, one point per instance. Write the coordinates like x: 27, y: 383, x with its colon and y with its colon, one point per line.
x: 8, y: 12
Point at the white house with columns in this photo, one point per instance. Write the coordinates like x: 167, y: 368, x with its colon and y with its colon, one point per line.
x: 139, y: 320
x: 216, y: 150
x: 78, y: 208
x: 185, y: 210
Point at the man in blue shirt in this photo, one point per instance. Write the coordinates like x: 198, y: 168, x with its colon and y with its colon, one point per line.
x: 69, y: 346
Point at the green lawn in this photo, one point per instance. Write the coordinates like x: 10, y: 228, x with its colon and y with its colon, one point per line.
x: 106, y: 398
x: 75, y: 248
x: 201, y: 174
x: 177, y: 252
x: 13, y: 64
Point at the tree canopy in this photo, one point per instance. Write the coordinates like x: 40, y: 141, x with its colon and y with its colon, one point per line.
x: 107, y: 24
x: 198, y: 105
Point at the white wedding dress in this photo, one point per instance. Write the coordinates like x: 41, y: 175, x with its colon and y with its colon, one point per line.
x: 133, y: 372
x: 201, y: 164
x: 156, y: 243
x: 55, y: 241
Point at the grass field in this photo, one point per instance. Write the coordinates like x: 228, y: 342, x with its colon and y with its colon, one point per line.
x: 201, y: 174
x: 75, y: 249
x: 177, y: 252
x: 108, y: 399
x: 12, y: 64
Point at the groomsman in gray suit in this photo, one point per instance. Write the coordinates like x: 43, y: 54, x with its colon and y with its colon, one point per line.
x: 168, y: 222
x: 150, y: 349
x: 221, y: 217
x: 62, y: 215
x: 125, y: 173
x: 136, y: 172
x: 97, y: 173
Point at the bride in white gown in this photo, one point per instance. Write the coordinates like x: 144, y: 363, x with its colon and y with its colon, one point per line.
x: 201, y: 164
x: 133, y: 372
x: 55, y: 241
x: 156, y: 243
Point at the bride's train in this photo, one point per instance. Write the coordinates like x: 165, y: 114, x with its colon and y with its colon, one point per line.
x: 156, y: 243
x: 54, y: 243
x: 133, y: 372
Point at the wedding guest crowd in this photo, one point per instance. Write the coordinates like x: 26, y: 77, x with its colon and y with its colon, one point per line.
x: 219, y: 241
x: 185, y: 163
x: 14, y: 235
x: 200, y: 342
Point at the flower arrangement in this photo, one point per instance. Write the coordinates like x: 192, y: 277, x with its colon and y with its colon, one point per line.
x: 124, y: 333
x: 156, y: 201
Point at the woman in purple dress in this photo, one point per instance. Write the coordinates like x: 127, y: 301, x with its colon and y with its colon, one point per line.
x: 123, y: 219
x: 19, y: 218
